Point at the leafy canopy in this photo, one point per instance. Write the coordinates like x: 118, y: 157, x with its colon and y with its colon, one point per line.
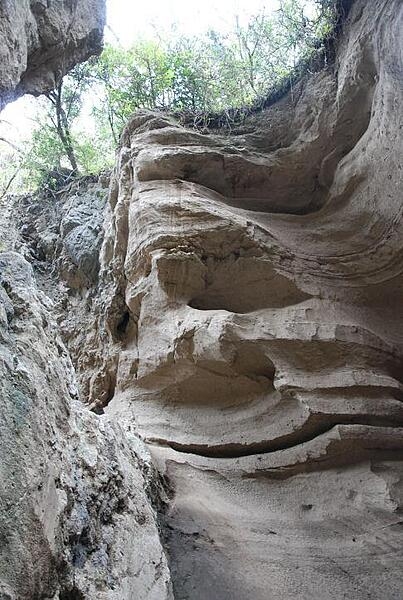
x: 198, y: 75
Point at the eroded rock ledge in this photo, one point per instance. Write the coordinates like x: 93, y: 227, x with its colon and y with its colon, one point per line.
x: 254, y: 333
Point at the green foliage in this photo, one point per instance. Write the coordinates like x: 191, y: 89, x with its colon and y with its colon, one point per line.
x: 94, y: 154
x: 194, y: 75
x: 215, y: 72
x: 59, y: 147
x: 46, y: 152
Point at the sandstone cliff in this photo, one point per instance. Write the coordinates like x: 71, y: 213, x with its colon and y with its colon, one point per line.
x: 236, y: 303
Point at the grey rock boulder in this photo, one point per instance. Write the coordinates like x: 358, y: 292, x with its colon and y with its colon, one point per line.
x: 41, y: 40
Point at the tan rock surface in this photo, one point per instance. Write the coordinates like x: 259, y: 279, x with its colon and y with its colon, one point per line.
x: 252, y: 287
x: 244, y: 318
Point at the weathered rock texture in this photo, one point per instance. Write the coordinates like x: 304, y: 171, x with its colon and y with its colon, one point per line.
x: 255, y: 332
x: 78, y: 495
x: 243, y: 318
x: 41, y: 40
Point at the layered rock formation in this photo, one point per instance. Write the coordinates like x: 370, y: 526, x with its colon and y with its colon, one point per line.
x: 243, y: 317
x: 41, y: 40
x: 255, y: 335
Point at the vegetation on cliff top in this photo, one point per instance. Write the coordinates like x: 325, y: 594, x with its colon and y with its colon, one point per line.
x: 200, y: 79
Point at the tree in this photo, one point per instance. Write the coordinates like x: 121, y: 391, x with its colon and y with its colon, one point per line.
x: 196, y: 75
x: 56, y: 152
x: 62, y: 125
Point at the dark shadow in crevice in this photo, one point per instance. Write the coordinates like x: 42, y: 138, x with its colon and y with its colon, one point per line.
x: 314, y: 428
x: 71, y: 594
x: 122, y: 326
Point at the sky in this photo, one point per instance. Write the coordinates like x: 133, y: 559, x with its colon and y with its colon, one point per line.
x: 127, y: 20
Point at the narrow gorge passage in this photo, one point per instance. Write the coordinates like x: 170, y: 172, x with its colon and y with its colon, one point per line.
x: 201, y: 352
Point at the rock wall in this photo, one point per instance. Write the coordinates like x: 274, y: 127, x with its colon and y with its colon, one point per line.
x: 41, y: 40
x: 78, y: 495
x: 252, y: 286
x: 239, y: 311
x: 76, y: 519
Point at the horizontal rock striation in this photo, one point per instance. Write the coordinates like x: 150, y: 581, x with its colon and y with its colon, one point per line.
x: 253, y: 335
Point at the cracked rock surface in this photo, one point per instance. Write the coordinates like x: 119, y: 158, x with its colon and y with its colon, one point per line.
x: 76, y: 493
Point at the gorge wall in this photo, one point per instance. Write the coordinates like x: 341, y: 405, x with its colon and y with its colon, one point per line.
x: 204, y: 397
x: 78, y: 496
